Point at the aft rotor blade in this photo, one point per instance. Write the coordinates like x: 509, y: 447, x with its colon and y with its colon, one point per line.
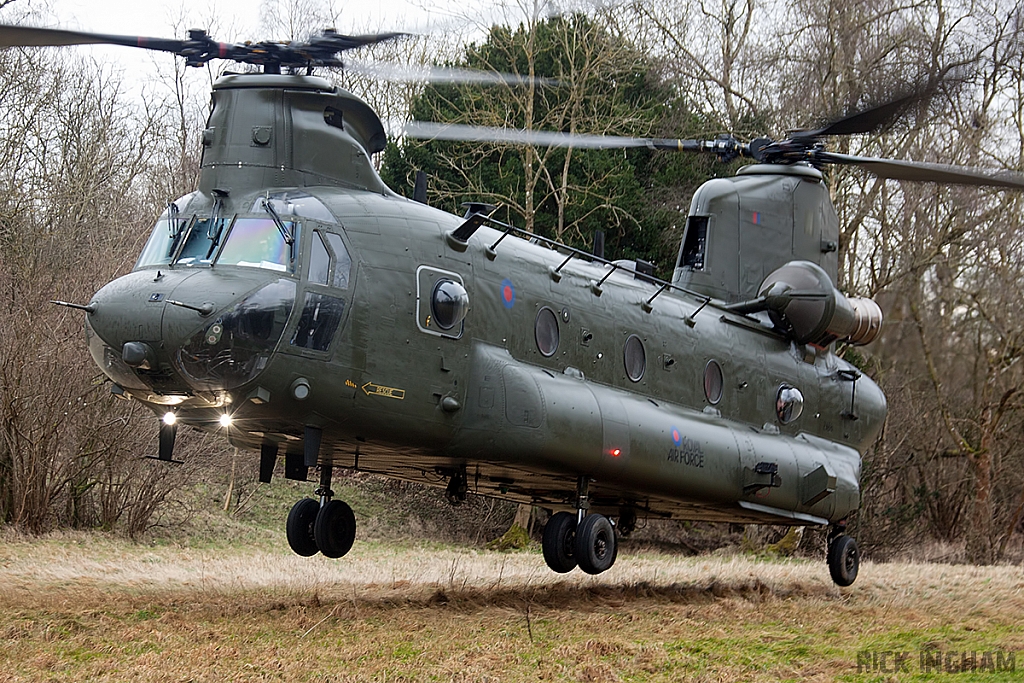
x: 30, y: 36
x: 935, y: 173
x: 866, y: 121
x: 545, y: 138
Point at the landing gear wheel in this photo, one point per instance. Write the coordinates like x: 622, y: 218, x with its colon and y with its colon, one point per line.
x: 596, y: 548
x: 335, y: 529
x: 843, y: 560
x: 559, y: 542
x: 299, y: 527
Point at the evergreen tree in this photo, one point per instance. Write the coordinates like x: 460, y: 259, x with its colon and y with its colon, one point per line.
x: 578, y: 78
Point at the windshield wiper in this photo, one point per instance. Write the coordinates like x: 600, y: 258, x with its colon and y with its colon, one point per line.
x: 289, y: 239
x: 173, y: 219
x: 215, y: 222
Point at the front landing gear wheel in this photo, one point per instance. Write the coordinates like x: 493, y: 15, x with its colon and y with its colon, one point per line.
x: 559, y: 542
x: 299, y: 527
x: 596, y: 548
x: 335, y: 529
x: 843, y: 560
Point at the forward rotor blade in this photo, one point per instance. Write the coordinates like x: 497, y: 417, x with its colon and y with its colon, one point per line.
x: 338, y: 42
x: 200, y: 48
x: 935, y: 173
x: 30, y: 36
x: 545, y: 138
x: 442, y: 74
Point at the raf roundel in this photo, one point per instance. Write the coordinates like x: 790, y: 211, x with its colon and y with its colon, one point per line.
x: 677, y: 438
x: 508, y: 293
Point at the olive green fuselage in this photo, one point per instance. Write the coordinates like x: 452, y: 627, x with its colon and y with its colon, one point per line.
x: 393, y: 393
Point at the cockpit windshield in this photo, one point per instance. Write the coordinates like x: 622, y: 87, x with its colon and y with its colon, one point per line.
x: 253, y: 242
x: 201, y: 242
x: 261, y: 243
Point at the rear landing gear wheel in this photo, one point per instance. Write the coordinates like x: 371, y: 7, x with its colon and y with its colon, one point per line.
x: 843, y: 560
x: 559, y: 542
x: 335, y: 529
x: 299, y: 527
x: 596, y: 547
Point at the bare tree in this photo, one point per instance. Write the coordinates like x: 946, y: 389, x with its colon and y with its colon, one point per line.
x: 72, y: 213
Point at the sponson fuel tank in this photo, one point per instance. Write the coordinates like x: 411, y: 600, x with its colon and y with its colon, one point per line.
x: 655, y: 448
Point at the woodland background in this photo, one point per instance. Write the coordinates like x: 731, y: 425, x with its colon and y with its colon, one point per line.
x: 87, y: 165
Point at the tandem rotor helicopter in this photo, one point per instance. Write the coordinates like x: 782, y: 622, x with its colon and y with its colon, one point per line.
x: 297, y: 305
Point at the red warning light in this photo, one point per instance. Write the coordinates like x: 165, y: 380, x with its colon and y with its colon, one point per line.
x: 616, y: 452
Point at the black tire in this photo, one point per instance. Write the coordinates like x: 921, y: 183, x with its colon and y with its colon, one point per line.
x: 843, y: 560
x: 559, y: 542
x: 299, y: 527
x: 596, y: 547
x: 335, y: 529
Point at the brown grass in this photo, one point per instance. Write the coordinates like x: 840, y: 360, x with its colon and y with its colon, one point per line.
x: 87, y: 607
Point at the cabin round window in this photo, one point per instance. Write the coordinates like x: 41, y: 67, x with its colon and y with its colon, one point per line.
x: 714, y: 381
x: 449, y: 303
x: 789, y: 403
x: 635, y: 358
x: 546, y: 332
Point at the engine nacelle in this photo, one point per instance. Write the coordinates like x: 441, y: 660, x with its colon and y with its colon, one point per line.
x: 801, y: 299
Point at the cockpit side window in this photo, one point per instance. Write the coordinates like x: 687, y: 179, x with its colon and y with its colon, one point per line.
x: 170, y: 228
x: 162, y: 243
x: 343, y: 262
x: 319, y: 260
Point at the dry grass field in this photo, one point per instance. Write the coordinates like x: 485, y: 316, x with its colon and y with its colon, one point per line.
x: 91, y: 607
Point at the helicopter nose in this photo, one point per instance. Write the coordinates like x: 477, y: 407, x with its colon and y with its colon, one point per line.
x: 236, y: 344
x: 125, y: 334
x: 186, y: 331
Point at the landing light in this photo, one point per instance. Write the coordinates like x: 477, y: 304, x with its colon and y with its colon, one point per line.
x: 169, y: 419
x: 225, y: 420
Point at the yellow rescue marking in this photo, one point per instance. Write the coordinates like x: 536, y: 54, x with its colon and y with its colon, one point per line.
x: 349, y: 383
x: 372, y: 389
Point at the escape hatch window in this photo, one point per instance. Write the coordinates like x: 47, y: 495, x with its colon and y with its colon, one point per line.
x: 449, y: 303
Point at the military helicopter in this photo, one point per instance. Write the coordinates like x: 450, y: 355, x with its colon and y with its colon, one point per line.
x: 297, y: 305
